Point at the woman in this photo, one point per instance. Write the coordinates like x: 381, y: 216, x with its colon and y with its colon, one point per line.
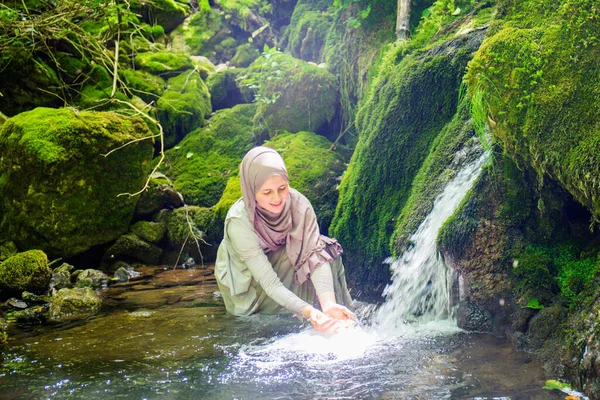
x: 272, y: 254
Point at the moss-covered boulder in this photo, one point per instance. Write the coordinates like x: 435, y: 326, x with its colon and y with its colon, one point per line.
x: 150, y: 231
x: 537, y: 83
x: 60, y: 190
x: 245, y: 54
x: 411, y: 102
x: 195, y: 231
x: 167, y: 63
x: 197, y: 35
x: 202, y: 163
x: 90, y: 278
x: 167, y: 13
x: 131, y: 247
x: 25, y: 271
x: 306, y: 35
x: 183, y: 106
x: 224, y: 89
x: 71, y: 304
x: 291, y: 94
x: 147, y: 86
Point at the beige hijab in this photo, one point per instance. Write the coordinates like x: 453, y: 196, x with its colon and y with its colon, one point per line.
x: 296, y: 227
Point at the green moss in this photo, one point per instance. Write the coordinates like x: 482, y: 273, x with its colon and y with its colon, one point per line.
x: 145, y: 85
x: 151, y: 232
x: 224, y: 90
x: 7, y: 249
x: 536, y: 74
x: 205, y: 159
x: 59, y: 191
x: 245, y: 54
x: 186, y: 222
x: 183, y: 106
x: 166, y: 13
x: 25, y: 271
x: 241, y: 10
x: 163, y: 62
x: 306, y: 35
x: 74, y: 304
x: 199, y: 34
x: 407, y: 109
x: 132, y: 247
x: 231, y: 194
x: 291, y: 94
x: 314, y: 170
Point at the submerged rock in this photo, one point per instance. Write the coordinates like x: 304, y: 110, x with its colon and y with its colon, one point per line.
x: 74, y: 304
x: 61, y: 277
x: 25, y: 271
x: 90, y: 278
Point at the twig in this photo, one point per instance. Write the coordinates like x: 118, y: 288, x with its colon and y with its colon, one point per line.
x: 116, y: 65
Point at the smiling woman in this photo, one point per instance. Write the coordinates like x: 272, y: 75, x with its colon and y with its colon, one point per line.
x: 273, y: 256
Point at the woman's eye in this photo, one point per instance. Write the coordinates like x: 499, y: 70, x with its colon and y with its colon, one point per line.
x: 267, y: 192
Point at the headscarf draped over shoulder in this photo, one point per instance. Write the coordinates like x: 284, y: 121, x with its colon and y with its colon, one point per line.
x: 296, y: 227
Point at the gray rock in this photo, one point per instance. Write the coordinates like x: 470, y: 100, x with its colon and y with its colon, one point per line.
x: 91, y: 278
x: 472, y: 317
x: 124, y: 274
x: 16, y: 303
x: 61, y: 277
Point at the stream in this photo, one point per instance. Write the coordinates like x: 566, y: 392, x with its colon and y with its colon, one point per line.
x: 166, y: 336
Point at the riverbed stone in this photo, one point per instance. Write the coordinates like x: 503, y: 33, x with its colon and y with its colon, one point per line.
x: 25, y: 271
x: 472, y: 317
x: 90, y: 278
x: 74, y: 304
x: 61, y: 192
x: 61, y: 277
x: 131, y: 246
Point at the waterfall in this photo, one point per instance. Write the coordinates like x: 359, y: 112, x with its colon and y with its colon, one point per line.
x: 421, y: 283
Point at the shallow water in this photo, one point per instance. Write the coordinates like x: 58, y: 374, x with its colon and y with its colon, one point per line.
x: 166, y: 336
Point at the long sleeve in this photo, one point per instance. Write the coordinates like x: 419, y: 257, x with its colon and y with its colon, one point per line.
x: 322, y: 279
x: 247, y: 245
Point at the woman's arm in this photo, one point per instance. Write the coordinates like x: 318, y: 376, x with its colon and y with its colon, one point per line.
x: 322, y: 279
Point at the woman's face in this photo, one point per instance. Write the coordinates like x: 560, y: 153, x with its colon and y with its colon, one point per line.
x: 273, y: 194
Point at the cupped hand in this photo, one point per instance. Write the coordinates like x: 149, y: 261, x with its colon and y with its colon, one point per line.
x: 323, y: 323
x: 339, y: 312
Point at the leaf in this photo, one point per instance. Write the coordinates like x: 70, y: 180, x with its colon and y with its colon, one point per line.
x: 553, y: 384
x: 457, y: 11
x: 189, y: 155
x: 534, y: 304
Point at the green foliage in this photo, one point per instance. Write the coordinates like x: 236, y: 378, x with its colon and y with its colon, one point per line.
x: 534, y: 304
x: 202, y: 163
x: 25, y: 271
x: 162, y: 62
x: 553, y: 384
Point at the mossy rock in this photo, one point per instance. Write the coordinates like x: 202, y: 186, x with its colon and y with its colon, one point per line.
x: 314, y: 170
x: 185, y: 223
x: 306, y: 35
x: 231, y: 194
x: 245, y: 54
x: 7, y: 249
x: 167, y: 13
x: 204, y: 66
x: 72, y: 304
x: 224, y: 89
x: 27, y: 271
x: 198, y: 35
x: 202, y: 163
x: 147, y: 86
x: 158, y: 195
x: 132, y: 247
x: 90, y: 278
x: 151, y: 232
x: 61, y: 277
x: 397, y: 126
x: 96, y: 93
x: 59, y: 192
x: 165, y: 63
x: 537, y: 80
x: 183, y: 106
x: 292, y: 95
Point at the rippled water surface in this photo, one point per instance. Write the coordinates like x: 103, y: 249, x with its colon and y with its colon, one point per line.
x: 166, y: 336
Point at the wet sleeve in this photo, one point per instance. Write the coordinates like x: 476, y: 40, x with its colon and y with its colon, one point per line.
x: 322, y: 278
x: 246, y: 243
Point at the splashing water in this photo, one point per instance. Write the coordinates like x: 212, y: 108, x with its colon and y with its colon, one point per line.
x: 421, y: 282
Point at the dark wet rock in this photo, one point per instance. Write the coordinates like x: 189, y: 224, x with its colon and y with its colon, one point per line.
x: 131, y: 246
x: 61, y: 277
x: 28, y: 316
x: 189, y: 263
x: 16, y: 303
x: 74, y: 304
x: 543, y: 325
x: 124, y: 274
x: 90, y: 278
x: 25, y: 271
x: 159, y: 195
x: 473, y: 317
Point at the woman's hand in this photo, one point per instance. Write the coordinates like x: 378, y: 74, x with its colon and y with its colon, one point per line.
x: 320, y: 321
x: 339, y: 312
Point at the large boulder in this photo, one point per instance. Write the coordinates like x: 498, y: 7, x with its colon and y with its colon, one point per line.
x: 27, y: 271
x: 203, y: 162
x: 292, y: 94
x: 60, y: 190
x: 183, y: 106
